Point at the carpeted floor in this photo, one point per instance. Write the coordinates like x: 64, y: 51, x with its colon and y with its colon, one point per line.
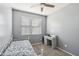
x: 48, y: 50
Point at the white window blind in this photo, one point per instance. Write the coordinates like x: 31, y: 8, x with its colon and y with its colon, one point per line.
x: 25, y: 31
x: 25, y: 21
x: 36, y: 22
x: 31, y: 26
x: 36, y: 30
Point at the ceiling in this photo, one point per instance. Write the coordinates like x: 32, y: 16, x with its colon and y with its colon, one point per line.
x: 35, y: 7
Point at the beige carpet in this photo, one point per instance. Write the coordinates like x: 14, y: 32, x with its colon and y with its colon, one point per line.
x: 48, y: 50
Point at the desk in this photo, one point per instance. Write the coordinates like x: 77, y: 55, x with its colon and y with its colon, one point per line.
x: 53, y: 40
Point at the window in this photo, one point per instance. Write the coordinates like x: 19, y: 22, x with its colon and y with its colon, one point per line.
x: 36, y: 22
x: 26, y: 31
x: 31, y: 26
x: 25, y: 21
x: 36, y: 26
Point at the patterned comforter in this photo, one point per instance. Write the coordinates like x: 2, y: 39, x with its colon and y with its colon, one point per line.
x: 20, y: 48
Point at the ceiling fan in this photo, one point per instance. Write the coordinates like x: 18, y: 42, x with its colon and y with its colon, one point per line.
x: 46, y: 5
x: 43, y: 5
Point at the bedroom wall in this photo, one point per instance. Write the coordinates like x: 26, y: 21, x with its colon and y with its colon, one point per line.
x: 65, y: 24
x: 5, y: 25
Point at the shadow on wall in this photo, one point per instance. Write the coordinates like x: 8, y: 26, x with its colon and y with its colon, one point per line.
x: 57, y: 38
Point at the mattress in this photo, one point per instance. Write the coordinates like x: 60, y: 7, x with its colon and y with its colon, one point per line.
x: 20, y: 48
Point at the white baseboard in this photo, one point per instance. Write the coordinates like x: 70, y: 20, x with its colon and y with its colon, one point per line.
x: 66, y: 51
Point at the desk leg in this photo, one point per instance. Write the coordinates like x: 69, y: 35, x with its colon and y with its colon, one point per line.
x: 53, y: 43
x: 45, y: 41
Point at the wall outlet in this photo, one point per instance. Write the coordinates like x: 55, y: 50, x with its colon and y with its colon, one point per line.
x: 65, y: 45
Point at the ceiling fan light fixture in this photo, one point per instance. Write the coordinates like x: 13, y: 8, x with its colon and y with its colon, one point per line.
x: 42, y: 4
x: 42, y: 7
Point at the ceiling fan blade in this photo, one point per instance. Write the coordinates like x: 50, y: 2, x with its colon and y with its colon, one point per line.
x: 48, y: 5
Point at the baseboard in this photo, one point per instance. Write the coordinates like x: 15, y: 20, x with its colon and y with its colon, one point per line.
x: 36, y: 43
x: 66, y: 51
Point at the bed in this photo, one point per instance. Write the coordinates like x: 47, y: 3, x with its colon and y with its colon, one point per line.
x: 20, y: 48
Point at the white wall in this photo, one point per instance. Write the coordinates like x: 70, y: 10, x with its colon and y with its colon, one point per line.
x: 5, y: 25
x: 65, y: 24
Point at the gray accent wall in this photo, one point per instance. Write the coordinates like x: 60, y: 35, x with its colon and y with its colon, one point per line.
x: 5, y: 25
x: 36, y: 38
x: 65, y: 24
